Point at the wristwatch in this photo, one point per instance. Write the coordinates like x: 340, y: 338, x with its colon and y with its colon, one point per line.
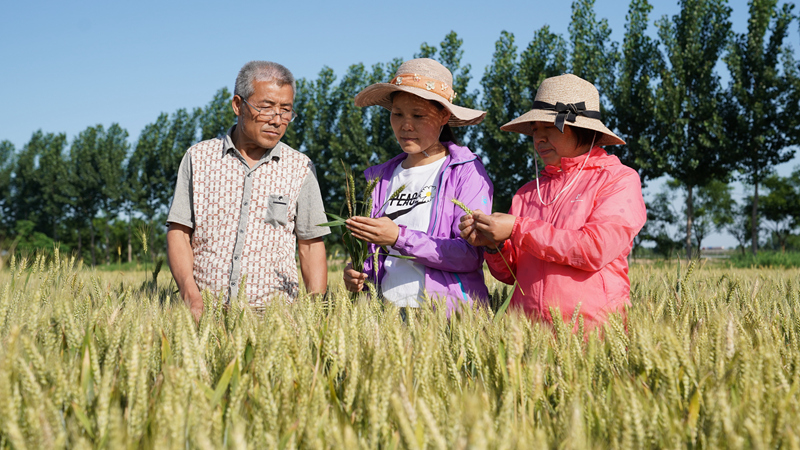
x: 492, y: 251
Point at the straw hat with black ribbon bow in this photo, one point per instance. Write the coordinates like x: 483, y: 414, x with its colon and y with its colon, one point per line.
x: 424, y: 78
x: 566, y: 100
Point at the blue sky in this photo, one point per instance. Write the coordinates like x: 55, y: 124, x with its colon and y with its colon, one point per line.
x: 70, y: 65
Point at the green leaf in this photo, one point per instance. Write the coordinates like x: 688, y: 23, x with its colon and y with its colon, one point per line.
x: 83, y: 419
x: 502, y: 309
x: 694, y: 409
x: 207, y: 391
x: 249, y: 354
x: 392, y: 255
x: 222, y: 384
x: 166, y: 350
x: 336, y: 223
x: 334, y: 216
x: 86, y: 376
x: 285, y: 438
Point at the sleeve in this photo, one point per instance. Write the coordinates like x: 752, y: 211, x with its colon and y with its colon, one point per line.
x: 618, y: 215
x: 502, y: 263
x: 182, y: 209
x: 452, y: 254
x: 310, y: 210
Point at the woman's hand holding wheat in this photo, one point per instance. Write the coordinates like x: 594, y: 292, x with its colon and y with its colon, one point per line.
x: 380, y: 231
x: 353, y: 279
x: 482, y: 229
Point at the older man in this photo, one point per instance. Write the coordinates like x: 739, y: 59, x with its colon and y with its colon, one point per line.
x: 241, y: 202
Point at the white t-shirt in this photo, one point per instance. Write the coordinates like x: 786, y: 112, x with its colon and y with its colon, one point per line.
x: 404, y: 279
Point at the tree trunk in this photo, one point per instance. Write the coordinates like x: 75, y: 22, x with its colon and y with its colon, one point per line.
x: 108, y: 243
x: 91, y: 234
x: 754, y: 220
x: 130, y: 247
x: 698, y: 237
x: 689, y: 218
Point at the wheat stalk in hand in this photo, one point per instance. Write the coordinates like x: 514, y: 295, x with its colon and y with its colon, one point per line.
x: 466, y: 209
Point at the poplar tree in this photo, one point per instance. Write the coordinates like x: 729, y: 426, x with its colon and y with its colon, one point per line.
x: 594, y: 55
x: 380, y: 136
x: 547, y: 55
x: 113, y: 148
x: 781, y: 206
x: 349, y: 142
x: 450, y: 55
x: 153, y: 167
x: 40, y: 187
x: 87, y: 184
x: 319, y: 120
x: 633, y: 98
x: 7, y: 151
x: 97, y: 158
x: 758, y: 125
x: 689, y: 121
x: 714, y: 210
x: 54, y: 184
x: 217, y: 117
x: 295, y: 132
x: 510, y: 158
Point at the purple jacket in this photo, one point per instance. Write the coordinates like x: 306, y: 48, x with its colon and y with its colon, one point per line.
x: 453, y: 267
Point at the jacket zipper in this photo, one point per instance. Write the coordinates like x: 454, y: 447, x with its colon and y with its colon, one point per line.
x: 434, y: 211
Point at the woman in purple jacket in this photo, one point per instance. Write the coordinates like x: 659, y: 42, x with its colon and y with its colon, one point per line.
x: 421, y: 222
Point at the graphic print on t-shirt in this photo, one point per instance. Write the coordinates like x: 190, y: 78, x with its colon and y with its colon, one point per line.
x: 403, y: 281
x: 411, y: 201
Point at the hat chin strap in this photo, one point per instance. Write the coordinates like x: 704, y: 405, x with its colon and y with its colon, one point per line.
x: 569, y: 185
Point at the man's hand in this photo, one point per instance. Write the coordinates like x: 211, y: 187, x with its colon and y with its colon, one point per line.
x: 481, y: 229
x: 181, y: 263
x: 195, y: 306
x: 380, y: 231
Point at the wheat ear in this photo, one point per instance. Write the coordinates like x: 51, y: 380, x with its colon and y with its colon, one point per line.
x: 466, y: 209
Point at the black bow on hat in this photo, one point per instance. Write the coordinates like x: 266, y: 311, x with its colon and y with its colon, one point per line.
x: 568, y: 111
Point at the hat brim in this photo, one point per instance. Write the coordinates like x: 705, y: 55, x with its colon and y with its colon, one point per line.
x: 380, y: 94
x: 522, y: 125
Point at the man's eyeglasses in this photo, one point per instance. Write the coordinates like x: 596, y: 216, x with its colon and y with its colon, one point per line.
x: 267, y: 114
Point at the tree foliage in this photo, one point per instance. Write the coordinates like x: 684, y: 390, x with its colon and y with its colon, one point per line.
x: 758, y: 128
x: 509, y: 155
x: 633, y: 97
x: 691, y: 132
x: 781, y: 206
x: 662, y: 94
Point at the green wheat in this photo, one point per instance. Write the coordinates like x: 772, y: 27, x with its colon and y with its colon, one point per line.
x: 93, y: 361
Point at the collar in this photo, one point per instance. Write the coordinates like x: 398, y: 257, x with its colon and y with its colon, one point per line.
x: 457, y: 155
x: 568, y: 164
x: 227, y: 146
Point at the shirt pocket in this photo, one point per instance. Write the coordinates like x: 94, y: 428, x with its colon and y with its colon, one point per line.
x: 277, y: 211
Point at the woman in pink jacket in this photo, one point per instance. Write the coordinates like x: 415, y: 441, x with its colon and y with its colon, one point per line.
x: 569, y: 232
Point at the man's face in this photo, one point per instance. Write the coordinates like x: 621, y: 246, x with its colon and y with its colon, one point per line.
x: 257, y: 130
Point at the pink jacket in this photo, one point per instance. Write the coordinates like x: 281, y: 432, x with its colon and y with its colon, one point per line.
x: 575, y: 250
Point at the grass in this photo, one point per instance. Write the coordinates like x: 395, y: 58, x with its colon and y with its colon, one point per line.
x: 710, y: 359
x: 766, y: 259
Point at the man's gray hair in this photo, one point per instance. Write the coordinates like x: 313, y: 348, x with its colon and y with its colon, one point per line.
x: 262, y: 71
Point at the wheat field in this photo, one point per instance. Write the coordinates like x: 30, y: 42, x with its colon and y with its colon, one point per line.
x: 710, y: 359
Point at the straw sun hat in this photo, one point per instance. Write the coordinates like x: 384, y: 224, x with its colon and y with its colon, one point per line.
x: 424, y: 78
x: 566, y: 99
